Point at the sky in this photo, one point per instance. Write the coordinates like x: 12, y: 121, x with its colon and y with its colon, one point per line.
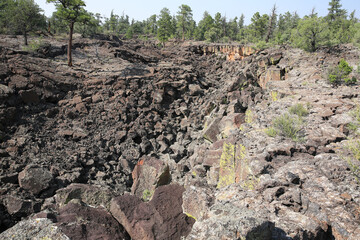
x: 142, y: 9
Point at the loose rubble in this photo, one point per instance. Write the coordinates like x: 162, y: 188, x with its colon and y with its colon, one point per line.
x: 141, y: 142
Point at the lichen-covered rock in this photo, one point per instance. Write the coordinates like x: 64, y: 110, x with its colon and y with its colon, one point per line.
x: 227, y: 221
x: 39, y: 228
x: 227, y: 165
x: 148, y: 174
x: 90, y: 194
x: 197, y: 201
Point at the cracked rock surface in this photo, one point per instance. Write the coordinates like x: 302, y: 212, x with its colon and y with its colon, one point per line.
x: 139, y: 142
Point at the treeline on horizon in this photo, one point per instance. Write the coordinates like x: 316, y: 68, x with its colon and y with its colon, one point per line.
x: 310, y: 32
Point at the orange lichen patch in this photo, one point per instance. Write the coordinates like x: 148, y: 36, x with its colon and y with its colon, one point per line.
x: 141, y: 162
x: 135, y: 173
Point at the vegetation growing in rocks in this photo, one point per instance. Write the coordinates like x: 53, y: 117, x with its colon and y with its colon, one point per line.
x: 354, y: 159
x: 289, y: 124
x: 340, y: 74
x: 299, y: 109
x: 271, y: 132
x: 34, y: 45
x: 355, y: 125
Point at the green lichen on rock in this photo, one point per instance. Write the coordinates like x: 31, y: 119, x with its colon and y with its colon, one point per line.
x: 249, y: 116
x: 242, y: 165
x: 227, y: 166
x: 147, y: 194
x: 191, y: 216
x: 274, y: 96
x: 250, y: 183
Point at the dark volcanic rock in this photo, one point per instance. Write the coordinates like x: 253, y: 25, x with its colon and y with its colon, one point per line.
x: 88, y: 194
x: 35, y: 179
x: 126, y: 101
x: 18, y: 207
x: 161, y: 218
x: 79, y: 221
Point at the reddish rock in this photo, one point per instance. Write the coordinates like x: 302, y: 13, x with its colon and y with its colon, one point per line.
x: 148, y: 174
x: 272, y: 74
x: 212, y: 131
x: 161, y: 218
x: 231, y: 123
x: 19, y: 207
x: 35, y: 179
x: 79, y: 221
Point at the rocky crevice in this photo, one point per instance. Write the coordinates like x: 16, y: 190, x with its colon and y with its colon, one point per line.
x: 106, y: 138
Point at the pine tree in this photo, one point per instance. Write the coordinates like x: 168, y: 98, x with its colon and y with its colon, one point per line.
x: 257, y: 28
x: 206, y: 23
x: 26, y: 17
x: 335, y: 11
x: 184, y: 20
x: 165, y: 28
x: 151, y: 25
x: 113, y: 22
x: 70, y: 11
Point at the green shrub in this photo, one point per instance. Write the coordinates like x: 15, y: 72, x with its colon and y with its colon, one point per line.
x: 299, y: 110
x: 340, y: 73
x: 354, y: 126
x: 271, y: 132
x: 354, y: 160
x: 261, y: 45
x: 288, y: 126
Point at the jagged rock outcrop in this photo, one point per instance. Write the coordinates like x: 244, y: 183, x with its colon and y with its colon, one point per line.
x: 160, y: 218
x: 130, y: 117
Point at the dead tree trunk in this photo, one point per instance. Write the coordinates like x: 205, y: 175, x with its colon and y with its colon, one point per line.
x: 272, y: 21
x: 69, y: 54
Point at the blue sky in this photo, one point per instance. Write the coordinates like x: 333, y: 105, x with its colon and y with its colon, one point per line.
x: 142, y: 9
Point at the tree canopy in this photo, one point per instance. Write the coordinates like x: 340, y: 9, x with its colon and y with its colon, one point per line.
x: 308, y: 32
